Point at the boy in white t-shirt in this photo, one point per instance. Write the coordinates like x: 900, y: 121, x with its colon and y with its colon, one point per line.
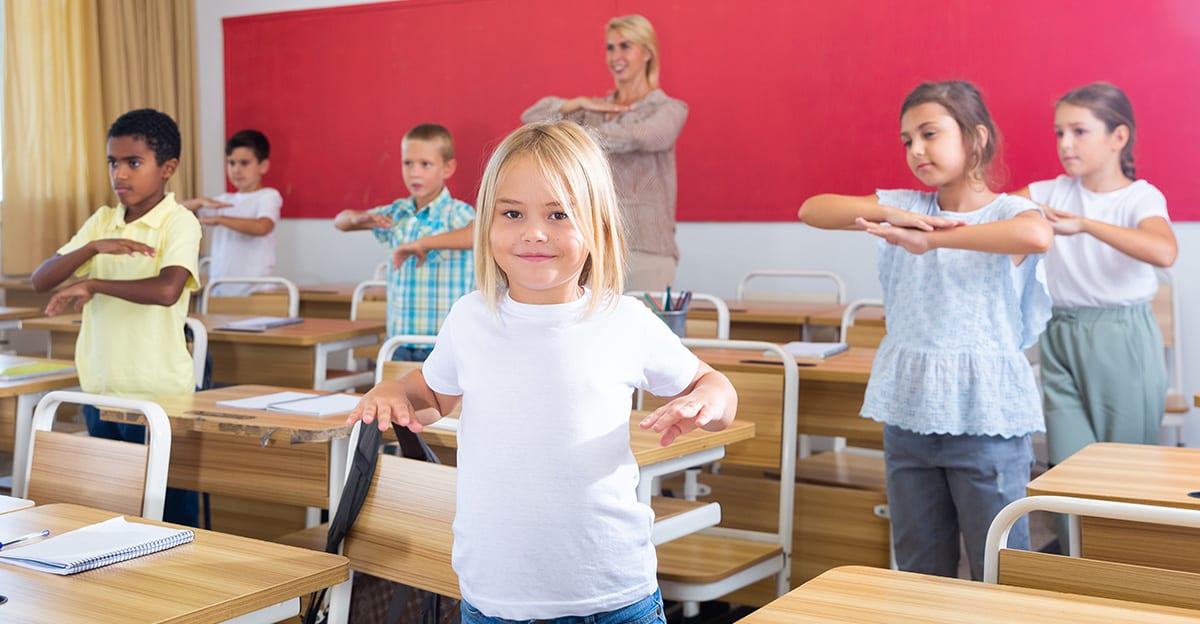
x: 242, y: 224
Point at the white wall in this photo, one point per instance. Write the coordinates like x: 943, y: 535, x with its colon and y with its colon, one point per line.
x: 714, y: 255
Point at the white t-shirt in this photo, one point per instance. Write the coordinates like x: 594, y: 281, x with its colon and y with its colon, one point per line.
x: 1084, y: 271
x: 235, y: 254
x: 547, y: 521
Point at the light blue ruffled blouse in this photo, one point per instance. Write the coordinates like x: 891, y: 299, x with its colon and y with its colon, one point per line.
x: 958, y: 322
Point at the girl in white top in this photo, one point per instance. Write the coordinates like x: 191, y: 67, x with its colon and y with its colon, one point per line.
x: 1102, y: 353
x: 544, y: 358
x: 963, y: 297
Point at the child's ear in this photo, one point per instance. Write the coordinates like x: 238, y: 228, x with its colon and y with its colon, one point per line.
x: 169, y: 167
x: 448, y: 170
x: 982, y: 131
x: 266, y: 165
x: 1120, y: 136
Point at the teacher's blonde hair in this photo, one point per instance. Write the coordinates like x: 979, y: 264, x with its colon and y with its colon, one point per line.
x: 640, y: 31
x: 573, y: 165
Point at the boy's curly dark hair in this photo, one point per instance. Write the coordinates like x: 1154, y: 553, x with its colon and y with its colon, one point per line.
x: 157, y: 129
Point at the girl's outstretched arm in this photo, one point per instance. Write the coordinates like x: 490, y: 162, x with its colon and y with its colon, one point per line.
x: 839, y: 212
x: 405, y: 402
x: 1026, y: 233
x: 708, y: 403
x: 1152, y: 241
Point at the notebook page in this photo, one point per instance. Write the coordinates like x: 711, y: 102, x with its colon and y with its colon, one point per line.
x: 94, y: 545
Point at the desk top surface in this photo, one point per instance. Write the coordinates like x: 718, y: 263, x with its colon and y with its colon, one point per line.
x: 786, y: 312
x: 857, y: 595
x: 310, y: 332
x: 852, y: 365
x: 198, y: 411
x: 41, y: 383
x: 12, y: 314
x: 338, y: 293
x: 1132, y: 473
x: 214, y: 578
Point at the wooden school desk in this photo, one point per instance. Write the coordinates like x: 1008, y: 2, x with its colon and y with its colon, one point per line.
x: 255, y: 455
x: 1132, y: 473
x: 18, y: 399
x: 9, y: 504
x: 296, y: 356
x: 18, y: 291
x: 10, y: 318
x: 857, y: 595
x: 212, y: 579
x: 780, y: 321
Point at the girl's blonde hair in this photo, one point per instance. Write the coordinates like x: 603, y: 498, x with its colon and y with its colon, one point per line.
x: 573, y: 165
x: 640, y: 31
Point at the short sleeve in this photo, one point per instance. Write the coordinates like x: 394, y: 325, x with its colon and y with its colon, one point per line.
x: 1014, y: 205
x: 88, y: 232
x: 384, y: 235
x: 180, y: 245
x: 904, y: 199
x: 1041, y: 191
x: 440, y: 369
x: 668, y: 367
x: 1151, y: 203
x: 270, y: 205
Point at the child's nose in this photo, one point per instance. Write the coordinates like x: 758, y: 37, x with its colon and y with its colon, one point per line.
x: 533, y: 231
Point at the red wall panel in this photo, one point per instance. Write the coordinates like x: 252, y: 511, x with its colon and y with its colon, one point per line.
x: 788, y: 97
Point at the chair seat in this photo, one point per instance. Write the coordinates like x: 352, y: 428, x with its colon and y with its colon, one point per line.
x: 842, y: 469
x: 702, y: 558
x: 1176, y: 403
x: 312, y: 538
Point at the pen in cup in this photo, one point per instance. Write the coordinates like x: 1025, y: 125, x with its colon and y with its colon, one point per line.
x: 23, y: 538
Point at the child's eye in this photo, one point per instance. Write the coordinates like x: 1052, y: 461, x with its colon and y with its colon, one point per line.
x: 511, y: 214
x: 1058, y: 133
x: 1080, y: 132
x: 559, y: 216
x: 928, y: 134
x: 134, y: 164
x: 906, y: 142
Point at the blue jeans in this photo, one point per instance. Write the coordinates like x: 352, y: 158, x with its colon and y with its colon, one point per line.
x: 411, y: 354
x: 648, y: 610
x: 180, y: 506
x: 938, y: 485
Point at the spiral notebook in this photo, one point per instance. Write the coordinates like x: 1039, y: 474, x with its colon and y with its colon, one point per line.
x: 94, y: 546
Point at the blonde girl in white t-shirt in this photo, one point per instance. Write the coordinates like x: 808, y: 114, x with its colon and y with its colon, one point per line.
x: 1102, y: 352
x: 544, y: 358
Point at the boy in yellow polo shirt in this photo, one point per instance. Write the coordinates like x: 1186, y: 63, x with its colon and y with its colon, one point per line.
x: 139, y: 261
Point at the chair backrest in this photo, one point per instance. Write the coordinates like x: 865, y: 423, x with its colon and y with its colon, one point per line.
x: 837, y: 295
x: 697, y: 328
x: 381, y: 271
x: 199, y: 348
x: 389, y: 347
x: 363, y: 309
x: 861, y: 336
x: 269, y: 304
x: 1104, y: 579
x: 123, y: 477
x: 1166, y: 311
x: 403, y: 530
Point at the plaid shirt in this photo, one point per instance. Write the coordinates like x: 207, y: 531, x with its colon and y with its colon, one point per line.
x: 420, y: 297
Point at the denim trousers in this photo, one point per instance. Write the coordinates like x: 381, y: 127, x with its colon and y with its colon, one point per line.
x: 648, y: 610
x: 940, y: 485
x: 411, y: 354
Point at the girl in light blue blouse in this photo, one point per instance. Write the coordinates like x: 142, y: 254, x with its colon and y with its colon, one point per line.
x: 964, y: 295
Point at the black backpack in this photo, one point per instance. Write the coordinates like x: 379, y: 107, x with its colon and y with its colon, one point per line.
x: 358, y: 484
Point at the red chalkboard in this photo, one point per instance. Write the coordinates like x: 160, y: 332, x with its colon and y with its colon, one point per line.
x: 788, y: 97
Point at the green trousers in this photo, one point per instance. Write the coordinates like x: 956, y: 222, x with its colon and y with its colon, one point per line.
x: 1104, y: 377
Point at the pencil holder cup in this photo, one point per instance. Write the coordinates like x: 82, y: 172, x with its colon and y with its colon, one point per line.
x: 677, y: 321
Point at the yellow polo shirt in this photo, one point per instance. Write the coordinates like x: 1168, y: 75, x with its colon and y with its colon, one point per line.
x: 130, y: 349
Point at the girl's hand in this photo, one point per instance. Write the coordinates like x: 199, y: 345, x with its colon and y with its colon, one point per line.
x: 925, y: 223
x: 1064, y: 223
x: 912, y: 240
x: 680, y: 416
x: 386, y: 403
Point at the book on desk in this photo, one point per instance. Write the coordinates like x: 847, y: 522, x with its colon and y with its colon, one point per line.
x: 94, y: 546
x: 33, y: 368
x: 813, y: 350
x: 260, y: 323
x: 303, y: 403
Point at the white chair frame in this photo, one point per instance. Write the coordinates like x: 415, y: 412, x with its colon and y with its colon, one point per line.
x: 390, y: 345
x: 1174, y: 357
x: 717, y: 302
x: 839, y: 283
x: 852, y: 310
x: 381, y: 271
x: 282, y: 282
x: 199, y: 348
x: 159, y: 442
x: 997, y: 536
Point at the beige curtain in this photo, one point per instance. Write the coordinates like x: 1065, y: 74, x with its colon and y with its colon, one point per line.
x: 71, y: 67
